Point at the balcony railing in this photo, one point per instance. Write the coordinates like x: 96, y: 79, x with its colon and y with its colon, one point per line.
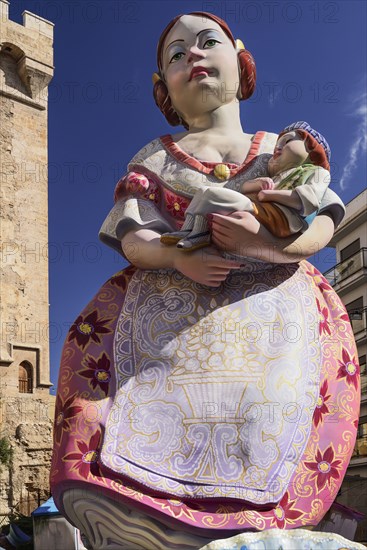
x: 347, y: 268
x: 358, y: 319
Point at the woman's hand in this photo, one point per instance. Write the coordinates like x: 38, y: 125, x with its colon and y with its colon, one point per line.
x: 237, y: 233
x: 205, y: 266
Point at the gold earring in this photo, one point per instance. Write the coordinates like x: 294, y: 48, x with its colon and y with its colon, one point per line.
x: 239, y: 46
x: 155, y: 78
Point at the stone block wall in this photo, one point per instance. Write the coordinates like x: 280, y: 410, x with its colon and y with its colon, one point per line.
x: 26, y: 68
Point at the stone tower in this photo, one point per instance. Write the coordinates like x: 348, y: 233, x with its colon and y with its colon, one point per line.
x: 26, y: 68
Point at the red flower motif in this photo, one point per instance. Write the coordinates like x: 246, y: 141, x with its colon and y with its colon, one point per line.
x: 97, y: 371
x: 178, y: 509
x: 345, y: 315
x: 121, y: 278
x: 152, y: 193
x: 324, y: 323
x: 86, y: 458
x: 349, y: 369
x: 285, y: 513
x: 319, y: 280
x: 64, y: 411
x: 176, y: 205
x: 324, y: 468
x: 88, y: 328
x: 321, y: 407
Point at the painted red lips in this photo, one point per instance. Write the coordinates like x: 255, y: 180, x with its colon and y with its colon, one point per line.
x: 198, y: 70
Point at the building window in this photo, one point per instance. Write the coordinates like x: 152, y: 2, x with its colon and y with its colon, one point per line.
x: 361, y: 443
x: 350, y: 250
x: 362, y: 364
x: 25, y: 378
x: 356, y: 314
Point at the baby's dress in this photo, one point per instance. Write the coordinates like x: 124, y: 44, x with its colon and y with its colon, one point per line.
x: 210, y: 410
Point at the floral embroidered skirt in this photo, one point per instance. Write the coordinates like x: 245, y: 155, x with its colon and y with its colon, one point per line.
x: 213, y: 410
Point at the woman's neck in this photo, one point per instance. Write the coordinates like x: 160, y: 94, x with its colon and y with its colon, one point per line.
x: 215, y: 135
x: 223, y: 121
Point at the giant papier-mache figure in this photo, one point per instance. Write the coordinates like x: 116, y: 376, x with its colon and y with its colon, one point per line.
x: 212, y: 392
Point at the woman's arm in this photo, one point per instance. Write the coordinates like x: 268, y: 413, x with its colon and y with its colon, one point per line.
x: 206, y: 266
x: 144, y: 250
x: 231, y: 234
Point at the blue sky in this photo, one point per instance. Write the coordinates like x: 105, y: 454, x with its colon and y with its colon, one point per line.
x: 311, y: 65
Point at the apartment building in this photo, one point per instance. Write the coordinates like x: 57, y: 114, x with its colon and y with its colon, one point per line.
x: 349, y: 279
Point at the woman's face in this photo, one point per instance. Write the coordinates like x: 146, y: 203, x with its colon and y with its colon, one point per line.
x: 197, y: 42
x: 290, y: 152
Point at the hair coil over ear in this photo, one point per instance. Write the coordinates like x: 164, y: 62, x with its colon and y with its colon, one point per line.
x: 248, y: 73
x: 163, y: 102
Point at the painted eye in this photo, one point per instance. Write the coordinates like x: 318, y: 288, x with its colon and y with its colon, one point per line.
x: 174, y: 58
x: 212, y: 40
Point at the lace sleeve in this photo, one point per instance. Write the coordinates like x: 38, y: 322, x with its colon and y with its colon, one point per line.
x: 137, y: 205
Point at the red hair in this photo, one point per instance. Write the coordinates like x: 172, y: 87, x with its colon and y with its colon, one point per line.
x: 315, y: 150
x: 245, y: 60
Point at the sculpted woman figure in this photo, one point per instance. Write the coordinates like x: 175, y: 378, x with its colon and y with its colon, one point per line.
x: 207, y: 393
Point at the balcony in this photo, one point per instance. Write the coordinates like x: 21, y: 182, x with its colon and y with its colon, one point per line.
x: 350, y: 273
x: 358, y: 320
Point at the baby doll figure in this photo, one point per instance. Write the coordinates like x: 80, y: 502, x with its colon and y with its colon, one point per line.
x: 298, y: 176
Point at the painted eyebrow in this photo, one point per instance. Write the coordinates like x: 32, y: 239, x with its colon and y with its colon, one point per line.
x: 181, y: 40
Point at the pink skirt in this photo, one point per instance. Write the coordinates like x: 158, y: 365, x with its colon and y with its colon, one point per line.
x: 213, y: 411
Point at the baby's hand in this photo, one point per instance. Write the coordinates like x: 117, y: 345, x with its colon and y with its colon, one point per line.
x: 266, y: 190
x: 267, y: 183
x: 257, y: 184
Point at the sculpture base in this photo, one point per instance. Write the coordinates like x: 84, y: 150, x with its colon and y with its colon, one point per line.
x: 111, y: 526
x: 291, y: 539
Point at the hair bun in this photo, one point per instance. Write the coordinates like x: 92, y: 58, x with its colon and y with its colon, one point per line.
x: 248, y: 73
x: 163, y: 102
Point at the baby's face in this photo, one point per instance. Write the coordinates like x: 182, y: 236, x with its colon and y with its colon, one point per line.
x: 290, y: 152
